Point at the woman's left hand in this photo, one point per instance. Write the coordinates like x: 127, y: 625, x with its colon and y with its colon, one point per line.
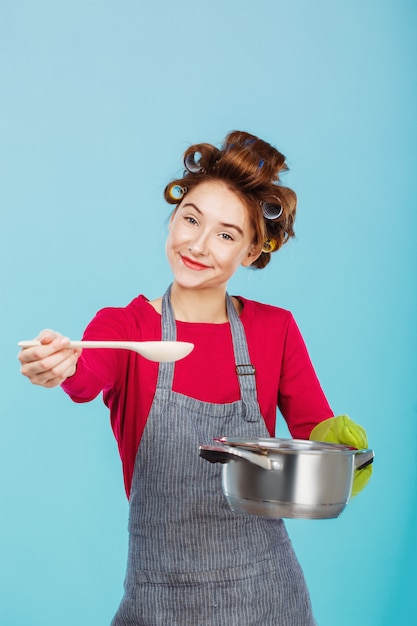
x: 343, y: 430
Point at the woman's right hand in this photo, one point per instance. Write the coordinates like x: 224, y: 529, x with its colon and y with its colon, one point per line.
x: 50, y: 363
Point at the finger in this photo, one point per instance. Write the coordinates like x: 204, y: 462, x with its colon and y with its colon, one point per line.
x: 47, y: 335
x: 39, y: 353
x: 50, y: 382
x: 44, y: 357
x: 40, y: 360
x: 53, y: 370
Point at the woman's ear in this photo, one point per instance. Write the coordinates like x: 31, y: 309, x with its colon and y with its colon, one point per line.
x: 253, y: 254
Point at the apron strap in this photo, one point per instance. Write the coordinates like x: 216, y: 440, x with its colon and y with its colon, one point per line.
x: 245, y: 371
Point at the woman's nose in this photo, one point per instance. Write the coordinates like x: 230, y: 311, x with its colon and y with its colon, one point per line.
x: 198, y: 244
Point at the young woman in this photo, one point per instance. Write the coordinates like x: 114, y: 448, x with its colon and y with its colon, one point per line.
x: 191, y: 559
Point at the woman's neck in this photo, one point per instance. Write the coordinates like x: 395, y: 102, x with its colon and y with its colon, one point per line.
x: 199, y: 305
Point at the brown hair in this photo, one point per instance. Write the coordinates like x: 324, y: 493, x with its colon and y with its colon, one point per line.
x: 250, y: 167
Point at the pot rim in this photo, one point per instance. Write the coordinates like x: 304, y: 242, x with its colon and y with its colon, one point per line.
x: 287, y: 446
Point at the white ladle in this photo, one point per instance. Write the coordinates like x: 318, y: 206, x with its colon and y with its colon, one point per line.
x: 159, y: 351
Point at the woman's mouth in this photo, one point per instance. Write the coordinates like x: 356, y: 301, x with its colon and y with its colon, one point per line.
x: 193, y: 265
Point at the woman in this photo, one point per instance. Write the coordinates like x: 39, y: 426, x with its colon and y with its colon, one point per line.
x: 191, y: 559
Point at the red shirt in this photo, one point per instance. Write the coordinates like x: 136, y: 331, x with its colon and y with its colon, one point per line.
x: 284, y: 374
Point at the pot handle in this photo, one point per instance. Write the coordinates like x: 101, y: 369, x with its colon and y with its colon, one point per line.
x: 214, y: 454
x: 223, y: 454
x: 363, y: 458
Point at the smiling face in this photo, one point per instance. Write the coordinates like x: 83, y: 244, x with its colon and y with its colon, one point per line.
x: 209, y: 237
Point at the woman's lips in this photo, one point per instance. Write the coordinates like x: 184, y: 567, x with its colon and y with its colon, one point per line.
x: 193, y: 264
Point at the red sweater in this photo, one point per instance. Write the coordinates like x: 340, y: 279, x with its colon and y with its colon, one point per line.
x: 284, y: 374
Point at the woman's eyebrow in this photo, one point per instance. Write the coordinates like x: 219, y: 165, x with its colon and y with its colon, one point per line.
x: 194, y: 206
x: 237, y: 228
x: 224, y: 224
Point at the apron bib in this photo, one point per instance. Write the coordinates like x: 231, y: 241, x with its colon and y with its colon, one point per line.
x: 192, y: 561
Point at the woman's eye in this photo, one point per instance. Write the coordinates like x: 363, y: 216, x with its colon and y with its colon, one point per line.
x: 226, y: 236
x: 191, y: 220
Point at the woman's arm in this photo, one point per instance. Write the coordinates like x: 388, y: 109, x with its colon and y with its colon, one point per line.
x: 83, y: 374
x: 301, y: 399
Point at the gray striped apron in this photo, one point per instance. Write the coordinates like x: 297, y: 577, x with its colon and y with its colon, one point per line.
x: 191, y: 560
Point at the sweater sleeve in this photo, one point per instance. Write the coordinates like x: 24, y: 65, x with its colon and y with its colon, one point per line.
x: 300, y: 399
x: 97, y: 369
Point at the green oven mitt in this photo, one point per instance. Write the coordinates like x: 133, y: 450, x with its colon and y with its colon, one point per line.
x: 342, y: 429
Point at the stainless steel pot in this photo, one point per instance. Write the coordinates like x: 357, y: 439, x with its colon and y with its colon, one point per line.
x: 286, y: 477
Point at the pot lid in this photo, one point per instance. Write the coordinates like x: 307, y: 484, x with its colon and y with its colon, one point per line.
x: 265, y: 444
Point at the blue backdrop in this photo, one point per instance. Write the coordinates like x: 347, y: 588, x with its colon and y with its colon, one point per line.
x: 98, y: 101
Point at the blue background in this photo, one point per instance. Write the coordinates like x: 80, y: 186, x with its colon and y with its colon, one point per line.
x: 98, y: 101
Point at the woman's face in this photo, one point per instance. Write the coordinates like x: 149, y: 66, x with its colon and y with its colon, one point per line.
x: 209, y: 237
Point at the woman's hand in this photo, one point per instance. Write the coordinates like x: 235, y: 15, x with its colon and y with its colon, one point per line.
x: 50, y: 363
x: 342, y: 429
